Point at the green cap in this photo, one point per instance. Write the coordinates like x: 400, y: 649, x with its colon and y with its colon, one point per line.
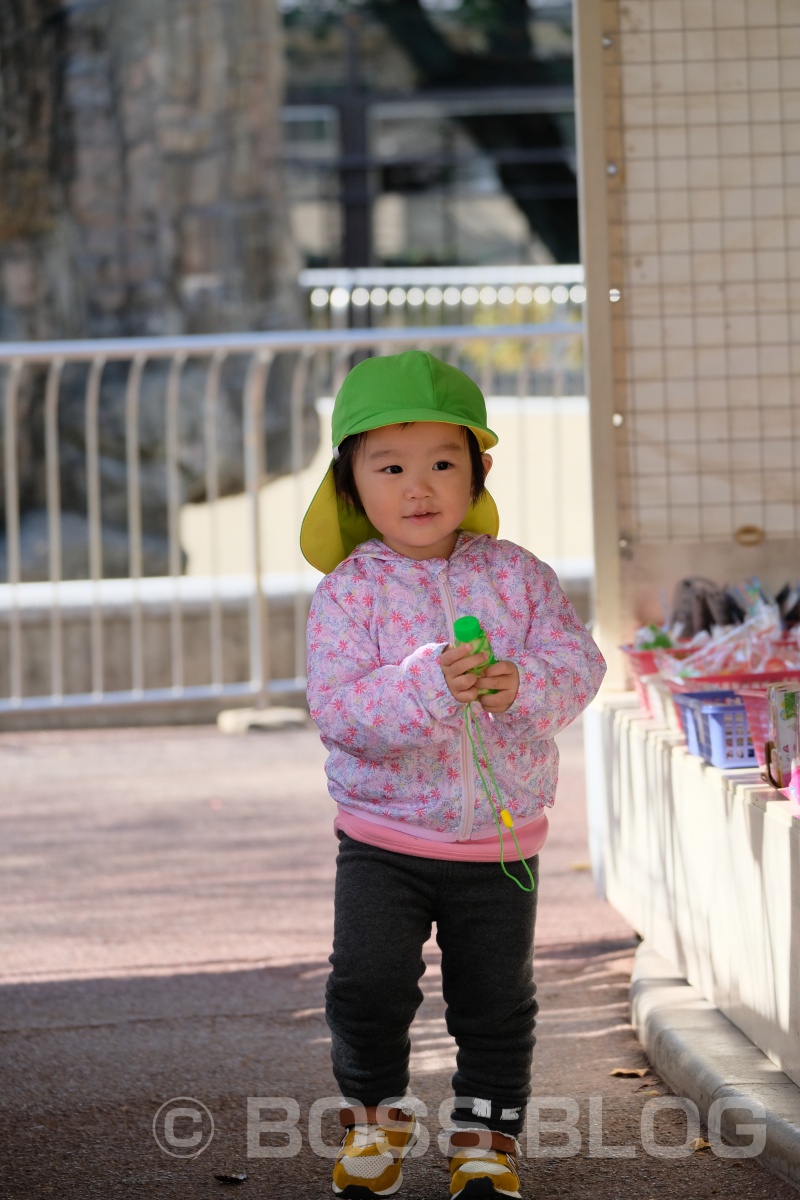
x: 414, y: 386
x: 392, y: 389
x: 467, y: 629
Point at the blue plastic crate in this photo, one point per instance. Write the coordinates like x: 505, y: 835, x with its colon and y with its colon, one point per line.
x: 723, y: 734
x: 683, y: 702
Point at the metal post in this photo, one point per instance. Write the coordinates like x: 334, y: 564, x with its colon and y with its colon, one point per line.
x: 299, y: 383
x: 132, y: 394
x: 173, y: 519
x: 559, y: 349
x: 12, y: 528
x: 210, y: 407
x: 95, y: 520
x: 54, y: 525
x: 254, y: 458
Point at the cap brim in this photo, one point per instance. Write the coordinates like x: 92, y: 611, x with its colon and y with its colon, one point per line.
x: 331, y: 529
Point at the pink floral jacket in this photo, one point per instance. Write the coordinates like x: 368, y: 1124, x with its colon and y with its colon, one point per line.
x: 398, y: 747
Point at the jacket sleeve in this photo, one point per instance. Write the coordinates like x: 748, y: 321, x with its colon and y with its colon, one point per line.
x: 367, y: 707
x: 560, y: 667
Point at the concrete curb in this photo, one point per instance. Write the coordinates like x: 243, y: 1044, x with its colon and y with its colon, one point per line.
x: 700, y: 1054
x: 262, y: 720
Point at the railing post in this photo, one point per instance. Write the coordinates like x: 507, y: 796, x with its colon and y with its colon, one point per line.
x: 132, y: 394
x: 559, y: 349
x: 95, y: 525
x: 210, y: 409
x: 52, y: 469
x: 299, y: 383
x: 254, y: 458
x: 12, y: 529
x: 523, y: 393
x: 173, y: 521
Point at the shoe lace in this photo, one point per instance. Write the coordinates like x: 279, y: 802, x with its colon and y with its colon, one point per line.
x: 365, y: 1135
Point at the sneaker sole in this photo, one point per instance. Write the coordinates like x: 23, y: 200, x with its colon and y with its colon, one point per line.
x: 356, y: 1191
x: 482, y: 1189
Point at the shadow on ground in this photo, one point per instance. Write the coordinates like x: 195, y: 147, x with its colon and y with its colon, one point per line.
x: 167, y: 909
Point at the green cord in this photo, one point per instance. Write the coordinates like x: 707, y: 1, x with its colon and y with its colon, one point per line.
x: 469, y: 719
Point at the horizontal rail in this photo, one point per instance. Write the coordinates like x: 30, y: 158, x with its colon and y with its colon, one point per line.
x: 201, y: 345
x: 155, y: 592
x: 153, y: 696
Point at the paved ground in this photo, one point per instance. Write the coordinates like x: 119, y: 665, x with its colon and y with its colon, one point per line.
x: 167, y: 911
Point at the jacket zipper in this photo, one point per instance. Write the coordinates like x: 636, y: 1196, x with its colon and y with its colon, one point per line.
x: 468, y: 792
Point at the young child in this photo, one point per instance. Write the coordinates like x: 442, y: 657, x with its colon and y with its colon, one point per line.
x: 407, y: 534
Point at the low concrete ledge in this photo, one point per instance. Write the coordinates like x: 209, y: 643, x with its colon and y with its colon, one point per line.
x: 704, y: 864
x: 700, y: 1054
x: 263, y: 720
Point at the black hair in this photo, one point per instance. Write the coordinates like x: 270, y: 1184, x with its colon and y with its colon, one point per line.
x: 344, y: 479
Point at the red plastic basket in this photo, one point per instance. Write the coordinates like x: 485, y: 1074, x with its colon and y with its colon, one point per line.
x: 642, y: 662
x: 735, y: 681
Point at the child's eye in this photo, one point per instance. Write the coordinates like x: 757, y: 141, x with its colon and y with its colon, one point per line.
x: 442, y: 465
x: 394, y: 469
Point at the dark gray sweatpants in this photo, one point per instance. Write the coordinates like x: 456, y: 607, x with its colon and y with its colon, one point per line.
x: 385, y: 906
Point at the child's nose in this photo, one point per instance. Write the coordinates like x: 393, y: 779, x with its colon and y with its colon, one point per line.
x: 418, y: 484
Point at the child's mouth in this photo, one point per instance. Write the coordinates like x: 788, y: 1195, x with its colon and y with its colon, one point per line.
x: 420, y: 516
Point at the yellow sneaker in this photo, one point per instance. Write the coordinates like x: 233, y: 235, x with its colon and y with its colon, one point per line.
x: 478, y: 1170
x: 369, y: 1162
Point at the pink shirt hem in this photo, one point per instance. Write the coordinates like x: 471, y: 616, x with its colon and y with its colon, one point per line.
x: 531, y: 837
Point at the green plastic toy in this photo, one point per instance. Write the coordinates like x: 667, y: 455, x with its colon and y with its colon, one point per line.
x: 469, y: 632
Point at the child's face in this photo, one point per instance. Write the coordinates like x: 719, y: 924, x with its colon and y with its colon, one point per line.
x: 415, y: 483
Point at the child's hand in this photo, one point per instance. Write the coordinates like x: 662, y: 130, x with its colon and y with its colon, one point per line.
x: 456, y: 663
x: 504, y: 678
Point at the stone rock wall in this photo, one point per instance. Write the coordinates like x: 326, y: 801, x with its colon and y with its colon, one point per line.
x: 140, y: 194
x: 140, y: 182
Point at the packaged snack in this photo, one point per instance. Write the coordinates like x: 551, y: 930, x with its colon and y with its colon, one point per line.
x: 650, y: 637
x: 782, y: 746
x: 758, y: 644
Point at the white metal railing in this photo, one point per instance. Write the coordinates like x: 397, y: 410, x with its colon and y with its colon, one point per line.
x: 504, y: 359
x: 429, y: 295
